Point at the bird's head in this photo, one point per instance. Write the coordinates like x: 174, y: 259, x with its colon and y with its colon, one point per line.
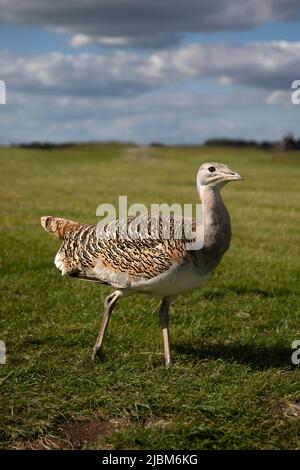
x: 215, y: 174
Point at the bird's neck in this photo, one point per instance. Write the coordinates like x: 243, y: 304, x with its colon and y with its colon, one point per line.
x: 216, y: 222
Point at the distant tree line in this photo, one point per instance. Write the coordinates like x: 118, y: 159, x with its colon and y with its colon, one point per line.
x: 44, y: 145
x: 238, y: 143
x: 62, y: 145
x: 287, y: 143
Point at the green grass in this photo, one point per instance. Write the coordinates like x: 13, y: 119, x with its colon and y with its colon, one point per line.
x: 232, y: 385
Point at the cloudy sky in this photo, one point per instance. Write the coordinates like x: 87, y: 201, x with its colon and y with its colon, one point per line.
x: 148, y: 70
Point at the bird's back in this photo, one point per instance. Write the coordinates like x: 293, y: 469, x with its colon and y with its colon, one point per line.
x: 118, y: 261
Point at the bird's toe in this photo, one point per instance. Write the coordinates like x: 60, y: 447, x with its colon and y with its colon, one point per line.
x: 98, y: 354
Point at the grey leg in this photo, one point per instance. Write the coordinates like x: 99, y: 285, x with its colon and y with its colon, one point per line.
x: 164, y: 321
x: 109, y: 305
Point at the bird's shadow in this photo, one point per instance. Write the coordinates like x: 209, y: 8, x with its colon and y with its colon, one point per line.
x: 256, y: 356
x: 242, y: 290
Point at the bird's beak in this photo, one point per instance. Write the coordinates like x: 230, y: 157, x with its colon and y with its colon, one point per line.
x: 233, y: 176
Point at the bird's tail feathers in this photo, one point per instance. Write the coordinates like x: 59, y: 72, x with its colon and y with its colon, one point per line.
x: 56, y: 226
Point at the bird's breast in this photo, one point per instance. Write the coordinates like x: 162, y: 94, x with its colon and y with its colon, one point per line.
x: 175, y: 281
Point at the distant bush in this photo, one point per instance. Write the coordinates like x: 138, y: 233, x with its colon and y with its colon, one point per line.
x: 44, y: 145
x: 62, y: 145
x: 157, y: 144
x: 238, y: 143
x: 289, y: 143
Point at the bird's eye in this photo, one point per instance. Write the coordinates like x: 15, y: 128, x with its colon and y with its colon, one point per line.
x: 211, y: 169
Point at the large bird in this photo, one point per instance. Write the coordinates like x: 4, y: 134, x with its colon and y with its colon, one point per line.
x: 159, y: 266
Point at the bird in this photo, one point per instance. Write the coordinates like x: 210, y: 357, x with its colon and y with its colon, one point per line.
x: 157, y: 266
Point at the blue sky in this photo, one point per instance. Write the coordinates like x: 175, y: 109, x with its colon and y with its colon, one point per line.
x: 118, y: 70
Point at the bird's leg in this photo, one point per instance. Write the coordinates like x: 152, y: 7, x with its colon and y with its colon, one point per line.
x: 109, y: 305
x: 164, y: 321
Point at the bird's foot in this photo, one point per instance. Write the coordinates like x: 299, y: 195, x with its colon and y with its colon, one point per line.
x: 98, y: 353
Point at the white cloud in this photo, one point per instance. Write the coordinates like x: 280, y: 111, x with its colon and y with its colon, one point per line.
x: 279, y: 97
x: 174, y: 117
x: 82, y: 40
x: 270, y: 66
x: 137, y: 96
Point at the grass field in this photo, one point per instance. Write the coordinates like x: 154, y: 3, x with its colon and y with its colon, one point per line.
x: 232, y: 385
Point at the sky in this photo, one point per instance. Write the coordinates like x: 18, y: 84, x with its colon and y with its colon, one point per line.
x: 172, y: 71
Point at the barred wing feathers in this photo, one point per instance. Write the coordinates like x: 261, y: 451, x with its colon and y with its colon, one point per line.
x: 114, y: 260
